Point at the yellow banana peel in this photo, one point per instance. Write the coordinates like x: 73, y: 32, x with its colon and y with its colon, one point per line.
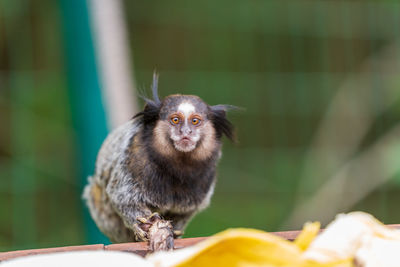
x: 244, y: 247
x: 247, y: 248
x: 307, y: 235
x: 354, y: 237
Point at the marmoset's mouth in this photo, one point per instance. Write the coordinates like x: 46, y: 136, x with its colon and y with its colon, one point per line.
x: 185, y: 144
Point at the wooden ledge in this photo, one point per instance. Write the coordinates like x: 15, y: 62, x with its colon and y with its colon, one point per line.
x: 140, y: 248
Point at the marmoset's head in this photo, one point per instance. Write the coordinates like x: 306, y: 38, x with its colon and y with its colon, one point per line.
x: 185, y: 124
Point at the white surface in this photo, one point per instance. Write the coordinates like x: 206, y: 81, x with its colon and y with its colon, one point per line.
x: 78, y: 259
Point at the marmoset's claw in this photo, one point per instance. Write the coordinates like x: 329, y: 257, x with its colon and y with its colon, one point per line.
x: 142, y: 219
x: 140, y: 234
x: 154, y: 217
x: 146, y: 222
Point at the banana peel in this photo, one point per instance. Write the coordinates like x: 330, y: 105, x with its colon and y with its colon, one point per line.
x: 307, y: 235
x: 233, y: 247
x: 356, y: 235
x: 351, y: 238
x: 247, y: 248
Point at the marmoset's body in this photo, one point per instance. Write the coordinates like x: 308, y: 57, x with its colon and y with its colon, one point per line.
x: 159, y: 166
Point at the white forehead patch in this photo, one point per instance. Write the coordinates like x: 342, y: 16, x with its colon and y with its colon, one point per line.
x: 186, y: 108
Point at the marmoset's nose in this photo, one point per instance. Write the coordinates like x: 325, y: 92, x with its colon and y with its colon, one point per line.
x: 186, y: 130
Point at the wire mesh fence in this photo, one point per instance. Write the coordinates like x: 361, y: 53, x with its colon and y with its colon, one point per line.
x: 318, y: 81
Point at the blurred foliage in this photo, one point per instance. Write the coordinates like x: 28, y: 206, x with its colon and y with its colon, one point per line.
x: 40, y: 200
x: 282, y: 61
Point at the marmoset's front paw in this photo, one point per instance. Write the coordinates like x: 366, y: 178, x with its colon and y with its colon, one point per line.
x: 159, y: 232
x: 161, y: 236
x: 146, y: 223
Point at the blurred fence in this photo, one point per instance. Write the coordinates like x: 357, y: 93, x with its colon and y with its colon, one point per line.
x: 319, y: 81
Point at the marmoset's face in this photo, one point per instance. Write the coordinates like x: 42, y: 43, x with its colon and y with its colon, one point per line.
x: 184, y: 122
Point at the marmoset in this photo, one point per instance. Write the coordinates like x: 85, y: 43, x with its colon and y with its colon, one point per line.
x: 155, y: 172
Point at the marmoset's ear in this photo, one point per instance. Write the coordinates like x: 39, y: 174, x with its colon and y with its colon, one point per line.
x: 152, y: 108
x: 154, y: 89
x: 221, y: 124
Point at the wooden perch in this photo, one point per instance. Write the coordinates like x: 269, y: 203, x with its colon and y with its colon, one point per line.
x: 140, y: 248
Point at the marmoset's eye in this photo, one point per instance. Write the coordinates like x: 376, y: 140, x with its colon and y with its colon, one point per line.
x: 195, y: 121
x: 175, y: 120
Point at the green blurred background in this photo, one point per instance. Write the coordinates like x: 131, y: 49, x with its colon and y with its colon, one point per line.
x: 319, y: 82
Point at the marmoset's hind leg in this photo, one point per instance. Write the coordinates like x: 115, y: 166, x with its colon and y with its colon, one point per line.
x: 108, y: 221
